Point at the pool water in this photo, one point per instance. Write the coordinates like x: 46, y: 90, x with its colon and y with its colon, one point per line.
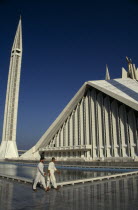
x: 65, y: 175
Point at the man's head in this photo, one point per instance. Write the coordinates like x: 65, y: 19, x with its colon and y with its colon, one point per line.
x: 53, y: 159
x: 42, y: 159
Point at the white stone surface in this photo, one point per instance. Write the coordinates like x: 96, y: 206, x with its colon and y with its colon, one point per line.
x: 8, y: 148
x: 124, y: 90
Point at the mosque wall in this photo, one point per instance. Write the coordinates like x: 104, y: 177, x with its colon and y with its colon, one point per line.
x: 99, y: 127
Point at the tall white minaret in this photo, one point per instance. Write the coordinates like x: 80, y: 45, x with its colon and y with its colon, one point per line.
x: 8, y: 148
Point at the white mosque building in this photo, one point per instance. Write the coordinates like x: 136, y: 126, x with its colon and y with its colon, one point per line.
x: 99, y: 123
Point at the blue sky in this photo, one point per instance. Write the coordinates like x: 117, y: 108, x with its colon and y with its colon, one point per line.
x: 65, y: 43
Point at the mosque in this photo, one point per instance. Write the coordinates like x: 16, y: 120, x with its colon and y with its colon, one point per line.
x: 99, y: 123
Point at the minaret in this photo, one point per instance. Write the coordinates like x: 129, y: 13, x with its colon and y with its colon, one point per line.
x: 8, y: 148
x: 107, y: 76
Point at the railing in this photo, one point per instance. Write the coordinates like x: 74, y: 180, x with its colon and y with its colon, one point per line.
x: 65, y: 148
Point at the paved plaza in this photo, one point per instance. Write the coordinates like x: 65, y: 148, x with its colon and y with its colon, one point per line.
x: 113, y: 194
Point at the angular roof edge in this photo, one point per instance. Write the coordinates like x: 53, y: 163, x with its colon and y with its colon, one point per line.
x: 117, y: 89
x: 123, y: 90
x: 63, y: 115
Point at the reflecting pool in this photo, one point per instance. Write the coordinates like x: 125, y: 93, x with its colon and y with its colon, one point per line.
x: 65, y: 175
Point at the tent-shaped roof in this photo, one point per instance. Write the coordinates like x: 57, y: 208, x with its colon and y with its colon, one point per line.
x: 123, y: 90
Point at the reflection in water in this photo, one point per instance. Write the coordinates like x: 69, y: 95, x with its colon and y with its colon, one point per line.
x: 8, y: 169
x: 66, y: 175
x: 114, y: 194
x: 15, y: 170
x: 117, y: 194
x: 6, y: 191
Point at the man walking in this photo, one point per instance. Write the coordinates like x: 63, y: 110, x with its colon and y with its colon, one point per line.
x: 40, y: 175
x: 51, y: 176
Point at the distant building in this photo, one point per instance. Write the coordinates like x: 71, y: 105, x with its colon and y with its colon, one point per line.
x: 99, y: 123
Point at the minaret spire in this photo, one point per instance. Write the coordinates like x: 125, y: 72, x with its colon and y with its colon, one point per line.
x: 107, y: 76
x: 8, y: 148
x: 132, y: 71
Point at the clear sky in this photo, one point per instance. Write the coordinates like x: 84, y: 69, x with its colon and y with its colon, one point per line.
x: 65, y: 43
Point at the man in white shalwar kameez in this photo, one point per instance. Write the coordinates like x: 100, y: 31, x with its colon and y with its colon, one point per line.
x: 40, y: 175
x: 51, y: 177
